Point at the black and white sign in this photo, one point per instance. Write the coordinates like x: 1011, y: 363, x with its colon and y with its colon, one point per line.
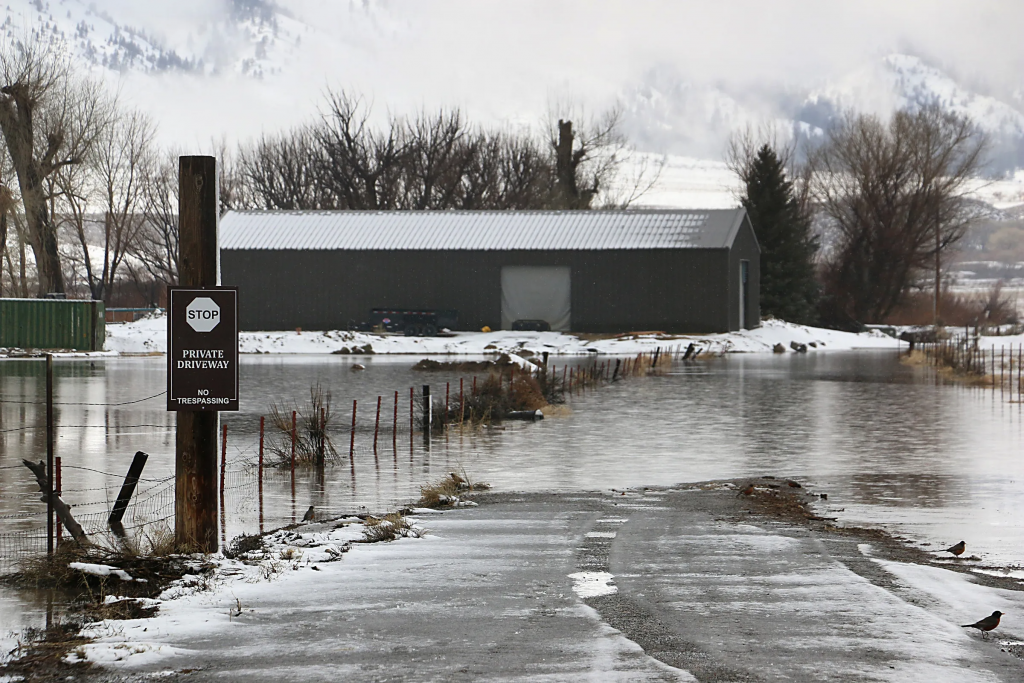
x: 202, y: 348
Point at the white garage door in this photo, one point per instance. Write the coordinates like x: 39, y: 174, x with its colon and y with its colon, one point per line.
x: 536, y: 293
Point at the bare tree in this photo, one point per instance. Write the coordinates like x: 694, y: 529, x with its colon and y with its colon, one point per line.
x: 441, y: 152
x: 362, y: 166
x: 435, y: 160
x: 124, y: 156
x: 49, y: 117
x: 586, y: 155
x: 281, y: 171
x: 156, y: 250
x: 895, y: 193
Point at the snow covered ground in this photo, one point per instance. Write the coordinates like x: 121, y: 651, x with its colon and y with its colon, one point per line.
x: 149, y: 335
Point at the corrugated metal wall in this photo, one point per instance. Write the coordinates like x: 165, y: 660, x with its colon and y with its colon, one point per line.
x: 675, y: 290
x: 52, y: 324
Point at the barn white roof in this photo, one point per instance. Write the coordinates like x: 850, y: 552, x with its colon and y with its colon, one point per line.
x: 480, y: 230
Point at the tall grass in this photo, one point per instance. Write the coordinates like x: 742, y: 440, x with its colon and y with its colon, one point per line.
x: 313, y: 444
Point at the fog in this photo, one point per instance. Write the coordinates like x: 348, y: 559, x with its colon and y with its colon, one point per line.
x: 506, y: 61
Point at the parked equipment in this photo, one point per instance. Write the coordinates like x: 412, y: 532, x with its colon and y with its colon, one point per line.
x: 531, y: 326
x: 413, y: 322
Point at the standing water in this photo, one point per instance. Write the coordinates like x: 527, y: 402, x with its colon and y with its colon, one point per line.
x: 891, y: 445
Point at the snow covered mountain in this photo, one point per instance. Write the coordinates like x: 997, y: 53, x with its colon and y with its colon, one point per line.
x: 259, y: 65
x: 666, y: 111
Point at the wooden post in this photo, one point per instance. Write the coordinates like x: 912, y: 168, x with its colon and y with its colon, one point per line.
x: 56, y: 490
x: 412, y: 425
x: 376, y: 428
x: 394, y: 426
x: 223, y: 460
x: 261, y: 473
x: 462, y: 402
x: 49, y: 454
x: 293, y: 443
x: 447, y: 396
x: 428, y: 416
x: 131, y: 480
x: 474, y: 385
x: 195, y: 485
x: 352, y: 436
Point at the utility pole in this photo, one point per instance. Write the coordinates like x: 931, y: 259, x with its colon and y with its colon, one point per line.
x: 195, y: 485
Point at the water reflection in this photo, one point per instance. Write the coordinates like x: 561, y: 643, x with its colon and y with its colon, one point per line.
x: 890, y: 444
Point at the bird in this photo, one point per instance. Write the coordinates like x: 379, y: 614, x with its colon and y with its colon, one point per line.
x: 986, y: 624
x: 308, y: 517
x: 747, y: 490
x: 957, y: 549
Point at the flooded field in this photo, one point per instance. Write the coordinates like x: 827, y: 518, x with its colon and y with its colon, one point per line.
x: 890, y: 444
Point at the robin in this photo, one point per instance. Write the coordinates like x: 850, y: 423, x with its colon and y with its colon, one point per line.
x: 308, y: 517
x: 957, y: 549
x: 986, y: 624
x: 747, y: 490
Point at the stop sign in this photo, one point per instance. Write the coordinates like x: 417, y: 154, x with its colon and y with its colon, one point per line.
x: 203, y: 314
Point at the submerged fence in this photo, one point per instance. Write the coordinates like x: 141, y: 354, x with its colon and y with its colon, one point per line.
x: 259, y: 472
x: 996, y: 368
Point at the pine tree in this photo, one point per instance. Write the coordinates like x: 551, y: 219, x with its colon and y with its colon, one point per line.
x: 788, y: 287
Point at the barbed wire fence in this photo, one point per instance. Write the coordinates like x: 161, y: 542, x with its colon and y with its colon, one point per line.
x: 379, y: 434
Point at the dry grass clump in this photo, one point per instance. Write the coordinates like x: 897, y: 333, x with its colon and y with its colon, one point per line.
x: 151, y: 541
x: 446, y: 493
x: 147, y: 558
x: 246, y: 547
x: 498, y: 395
x: 387, y: 528
x: 41, y: 652
x: 313, y: 445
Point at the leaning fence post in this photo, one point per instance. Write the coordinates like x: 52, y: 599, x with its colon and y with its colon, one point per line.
x: 127, y: 488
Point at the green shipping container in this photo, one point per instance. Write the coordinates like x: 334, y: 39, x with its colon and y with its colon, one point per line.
x: 52, y: 324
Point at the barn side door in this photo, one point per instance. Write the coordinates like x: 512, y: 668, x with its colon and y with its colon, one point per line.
x: 536, y: 293
x: 744, y: 292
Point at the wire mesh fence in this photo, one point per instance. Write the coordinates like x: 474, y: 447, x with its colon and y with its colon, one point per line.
x: 260, y: 481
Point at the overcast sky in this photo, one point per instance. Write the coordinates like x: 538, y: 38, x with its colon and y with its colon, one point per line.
x: 506, y: 60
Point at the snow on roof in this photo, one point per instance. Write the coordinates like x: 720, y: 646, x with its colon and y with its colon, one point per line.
x: 480, y: 230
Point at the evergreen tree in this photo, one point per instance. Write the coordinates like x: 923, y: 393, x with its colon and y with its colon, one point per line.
x: 788, y: 287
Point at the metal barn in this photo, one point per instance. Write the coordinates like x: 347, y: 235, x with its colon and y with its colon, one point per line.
x: 581, y: 271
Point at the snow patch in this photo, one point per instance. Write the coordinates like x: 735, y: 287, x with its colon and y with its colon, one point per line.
x: 101, y: 570
x: 593, y: 584
x: 149, y: 335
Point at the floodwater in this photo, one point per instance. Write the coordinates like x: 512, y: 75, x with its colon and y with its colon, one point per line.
x: 892, y: 445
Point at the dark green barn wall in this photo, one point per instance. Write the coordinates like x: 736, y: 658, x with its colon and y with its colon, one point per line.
x: 675, y: 290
